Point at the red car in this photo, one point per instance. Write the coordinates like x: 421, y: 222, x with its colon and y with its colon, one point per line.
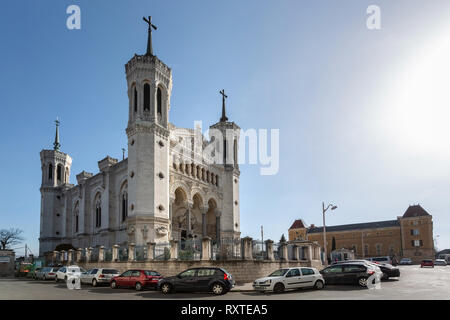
x: 427, y: 263
x: 137, y: 279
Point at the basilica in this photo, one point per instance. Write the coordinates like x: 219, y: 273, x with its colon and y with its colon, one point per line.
x: 175, y: 183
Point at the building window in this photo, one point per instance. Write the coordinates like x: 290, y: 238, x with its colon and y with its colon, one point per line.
x: 135, y: 99
x: 235, y: 151
x: 414, y: 232
x: 416, y: 243
x: 366, y: 249
x: 50, y: 171
x: 124, y: 206
x: 159, y: 101
x: 76, y: 222
x: 146, y: 96
x: 98, y: 213
x: 59, y: 172
x: 378, y: 246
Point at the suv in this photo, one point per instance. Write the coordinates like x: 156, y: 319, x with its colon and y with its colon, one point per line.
x: 350, y: 273
x: 98, y: 275
x: 64, y: 272
x: 215, y: 280
x: 290, y: 278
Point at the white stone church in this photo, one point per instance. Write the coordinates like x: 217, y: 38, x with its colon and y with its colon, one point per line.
x: 165, y: 189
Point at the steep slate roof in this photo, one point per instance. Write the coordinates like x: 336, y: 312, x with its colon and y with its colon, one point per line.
x: 415, y: 211
x: 357, y: 226
x: 298, y: 224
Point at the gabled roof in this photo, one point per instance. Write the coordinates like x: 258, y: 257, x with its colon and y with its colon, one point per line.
x: 357, y: 226
x: 415, y: 211
x: 298, y: 224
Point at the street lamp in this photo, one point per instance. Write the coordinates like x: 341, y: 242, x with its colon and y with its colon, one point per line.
x: 332, y: 207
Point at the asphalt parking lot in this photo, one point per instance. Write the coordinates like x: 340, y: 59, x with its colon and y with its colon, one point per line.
x: 415, y: 283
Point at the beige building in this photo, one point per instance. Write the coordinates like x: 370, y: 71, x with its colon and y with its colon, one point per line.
x: 409, y: 236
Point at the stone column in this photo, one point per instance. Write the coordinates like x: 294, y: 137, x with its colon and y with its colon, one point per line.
x: 62, y: 254
x: 79, y: 254
x: 206, y: 248
x: 188, y: 219
x: 55, y: 257
x: 204, y: 210
x: 173, y: 249
x: 131, y: 247
x: 101, y: 254
x: 310, y: 255
x: 247, y: 249
x: 284, y: 251
x: 151, y: 251
x: 171, y: 202
x: 295, y: 250
x: 115, y: 253
x: 70, y: 256
x: 218, y: 215
x: 88, y: 254
x: 269, y: 250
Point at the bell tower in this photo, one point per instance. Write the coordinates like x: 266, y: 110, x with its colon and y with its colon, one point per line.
x: 55, y: 166
x: 149, y: 83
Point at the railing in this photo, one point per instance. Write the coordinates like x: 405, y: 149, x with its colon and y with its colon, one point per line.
x: 95, y: 254
x: 123, y: 254
x: 226, y: 249
x: 258, y: 250
x: 277, y: 251
x: 107, y: 254
x: 162, y: 251
x: 140, y: 253
x: 189, y: 249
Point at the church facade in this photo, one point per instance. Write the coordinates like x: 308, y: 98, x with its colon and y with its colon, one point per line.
x: 174, y: 184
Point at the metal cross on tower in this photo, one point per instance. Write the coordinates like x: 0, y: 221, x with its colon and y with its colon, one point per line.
x: 149, y: 42
x: 224, y: 96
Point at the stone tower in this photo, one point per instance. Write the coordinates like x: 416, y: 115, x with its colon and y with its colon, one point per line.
x: 55, y: 166
x: 149, y: 83
x: 227, y: 133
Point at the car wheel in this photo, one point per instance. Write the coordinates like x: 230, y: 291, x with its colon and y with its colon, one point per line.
x: 114, y: 285
x: 385, y: 276
x: 94, y: 282
x: 278, y: 288
x: 218, y: 289
x: 166, y: 288
x: 362, y: 282
x: 65, y: 279
x: 318, y: 285
x: 138, y: 286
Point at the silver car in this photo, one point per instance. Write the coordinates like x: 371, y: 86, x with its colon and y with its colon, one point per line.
x: 98, y: 276
x: 47, y: 273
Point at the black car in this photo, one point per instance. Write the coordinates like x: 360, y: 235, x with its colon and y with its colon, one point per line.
x: 215, y: 280
x: 389, y: 271
x: 348, y: 273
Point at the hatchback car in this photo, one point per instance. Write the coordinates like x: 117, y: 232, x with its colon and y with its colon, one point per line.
x: 63, y: 273
x: 350, y: 273
x: 440, y: 262
x: 405, y: 261
x: 389, y: 271
x: 427, y: 263
x: 98, y: 276
x: 138, y: 279
x: 215, y: 280
x: 290, y: 278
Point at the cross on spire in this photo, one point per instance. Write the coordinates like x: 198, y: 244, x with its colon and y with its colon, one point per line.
x: 224, y: 96
x: 56, y: 144
x: 149, y: 41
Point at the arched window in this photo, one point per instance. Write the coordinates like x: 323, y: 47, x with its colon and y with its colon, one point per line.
x: 59, y: 173
x: 124, y: 206
x: 146, y: 96
x: 235, y: 151
x: 159, y: 100
x: 98, y: 212
x: 76, y: 212
x: 50, y: 171
x: 135, y: 99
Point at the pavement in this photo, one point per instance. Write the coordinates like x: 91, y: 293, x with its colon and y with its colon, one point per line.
x: 414, y: 284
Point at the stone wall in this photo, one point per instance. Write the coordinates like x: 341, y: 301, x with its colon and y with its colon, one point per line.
x: 243, y: 271
x: 7, y: 258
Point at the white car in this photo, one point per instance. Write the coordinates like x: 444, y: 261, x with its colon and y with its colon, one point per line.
x: 63, y: 273
x: 440, y: 262
x: 97, y: 276
x: 290, y: 278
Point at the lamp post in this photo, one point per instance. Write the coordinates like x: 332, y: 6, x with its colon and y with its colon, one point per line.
x: 332, y: 207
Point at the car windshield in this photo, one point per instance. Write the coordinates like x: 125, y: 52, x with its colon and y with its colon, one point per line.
x: 110, y: 271
x: 279, y: 273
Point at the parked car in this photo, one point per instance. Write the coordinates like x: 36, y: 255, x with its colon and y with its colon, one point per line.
x: 64, y: 272
x: 440, y: 262
x: 385, y: 259
x: 33, y: 273
x: 290, y: 278
x: 39, y: 273
x: 98, y: 276
x: 137, y: 279
x: 389, y: 271
x: 215, y: 280
x: 406, y: 261
x: 47, y: 273
x: 350, y: 273
x: 427, y: 263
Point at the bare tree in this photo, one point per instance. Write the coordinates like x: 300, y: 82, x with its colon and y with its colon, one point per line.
x: 10, y: 237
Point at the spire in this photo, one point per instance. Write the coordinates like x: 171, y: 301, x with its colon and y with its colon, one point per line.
x: 149, y: 41
x: 56, y: 144
x: 224, y: 96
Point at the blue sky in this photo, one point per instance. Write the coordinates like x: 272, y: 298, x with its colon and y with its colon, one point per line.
x: 361, y: 112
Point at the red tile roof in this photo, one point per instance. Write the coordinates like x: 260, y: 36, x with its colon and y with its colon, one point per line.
x: 298, y: 224
x: 415, y: 211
